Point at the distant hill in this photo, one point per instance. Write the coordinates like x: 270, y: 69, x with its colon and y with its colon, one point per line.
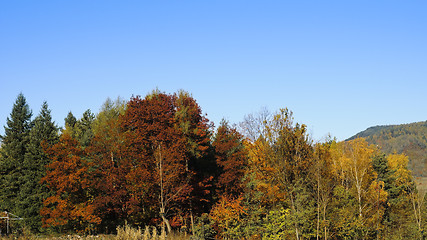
x: 410, y: 139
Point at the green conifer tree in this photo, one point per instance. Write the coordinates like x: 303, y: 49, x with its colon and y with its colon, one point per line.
x: 83, y: 128
x: 14, y: 147
x: 70, y: 123
x: 32, y: 193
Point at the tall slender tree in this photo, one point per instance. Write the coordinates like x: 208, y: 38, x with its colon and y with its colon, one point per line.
x: 32, y: 193
x: 14, y: 148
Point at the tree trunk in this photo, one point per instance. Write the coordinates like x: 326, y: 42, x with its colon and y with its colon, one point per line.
x: 318, y: 203
x: 192, y: 223
x: 162, y: 197
x: 324, y: 220
x: 294, y: 211
x: 166, y: 221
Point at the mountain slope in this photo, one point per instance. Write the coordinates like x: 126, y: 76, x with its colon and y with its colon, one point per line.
x: 410, y: 139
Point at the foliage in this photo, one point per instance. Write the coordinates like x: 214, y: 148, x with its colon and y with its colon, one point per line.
x: 278, y: 224
x: 13, y: 150
x: 32, y: 194
x: 280, y: 161
x: 227, y: 216
x: 231, y: 158
x: 409, y: 139
x: 155, y: 154
x: 158, y: 162
x: 67, y: 175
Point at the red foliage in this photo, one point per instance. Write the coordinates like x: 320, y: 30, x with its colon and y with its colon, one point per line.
x: 108, y: 173
x: 155, y: 153
x: 231, y: 157
x: 67, y: 175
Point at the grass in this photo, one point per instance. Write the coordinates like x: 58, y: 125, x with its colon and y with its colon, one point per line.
x: 123, y: 233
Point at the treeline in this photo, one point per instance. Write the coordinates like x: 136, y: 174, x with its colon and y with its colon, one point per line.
x: 159, y: 161
x: 409, y: 139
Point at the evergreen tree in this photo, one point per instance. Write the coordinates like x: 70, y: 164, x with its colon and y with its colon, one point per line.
x: 70, y: 120
x: 70, y: 123
x: 32, y: 193
x: 83, y: 128
x: 14, y: 147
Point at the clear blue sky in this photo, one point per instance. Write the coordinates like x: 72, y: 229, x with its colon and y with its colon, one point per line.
x: 340, y: 66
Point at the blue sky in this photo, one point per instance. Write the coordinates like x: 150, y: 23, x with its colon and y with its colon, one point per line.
x: 340, y: 66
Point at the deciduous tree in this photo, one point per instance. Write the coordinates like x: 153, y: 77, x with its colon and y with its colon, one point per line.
x: 68, y: 176
x: 156, y: 154
x: 281, y: 160
x: 231, y: 157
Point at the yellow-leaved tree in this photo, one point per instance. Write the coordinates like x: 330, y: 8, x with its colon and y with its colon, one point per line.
x: 280, y: 160
x: 359, y: 198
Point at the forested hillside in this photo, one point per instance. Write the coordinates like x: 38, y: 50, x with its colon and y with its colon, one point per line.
x: 158, y: 161
x: 409, y: 139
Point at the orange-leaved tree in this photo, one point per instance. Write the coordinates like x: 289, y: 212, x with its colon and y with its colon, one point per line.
x: 71, y: 207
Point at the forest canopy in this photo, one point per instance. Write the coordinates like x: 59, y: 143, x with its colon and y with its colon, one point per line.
x: 409, y: 139
x: 158, y: 160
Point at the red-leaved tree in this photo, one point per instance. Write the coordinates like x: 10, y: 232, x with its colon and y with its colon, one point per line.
x: 155, y: 156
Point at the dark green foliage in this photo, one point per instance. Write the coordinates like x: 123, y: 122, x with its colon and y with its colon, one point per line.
x: 70, y: 120
x: 14, y: 147
x: 380, y: 165
x: 32, y: 192
x: 83, y: 128
x: 410, y: 139
x: 398, y: 210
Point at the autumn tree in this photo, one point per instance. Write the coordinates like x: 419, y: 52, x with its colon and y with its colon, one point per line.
x: 228, y: 215
x: 406, y: 199
x: 155, y: 154
x: 396, y: 218
x: 108, y: 174
x: 280, y: 160
x: 358, y: 197
x: 200, y: 163
x: 325, y: 182
x: 231, y: 156
x: 70, y: 208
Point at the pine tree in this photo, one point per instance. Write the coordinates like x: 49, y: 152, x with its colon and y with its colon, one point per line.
x: 32, y: 193
x: 14, y: 147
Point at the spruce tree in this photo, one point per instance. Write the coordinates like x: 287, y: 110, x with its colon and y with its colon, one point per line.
x: 14, y: 147
x: 70, y: 122
x: 32, y: 193
x: 83, y: 128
